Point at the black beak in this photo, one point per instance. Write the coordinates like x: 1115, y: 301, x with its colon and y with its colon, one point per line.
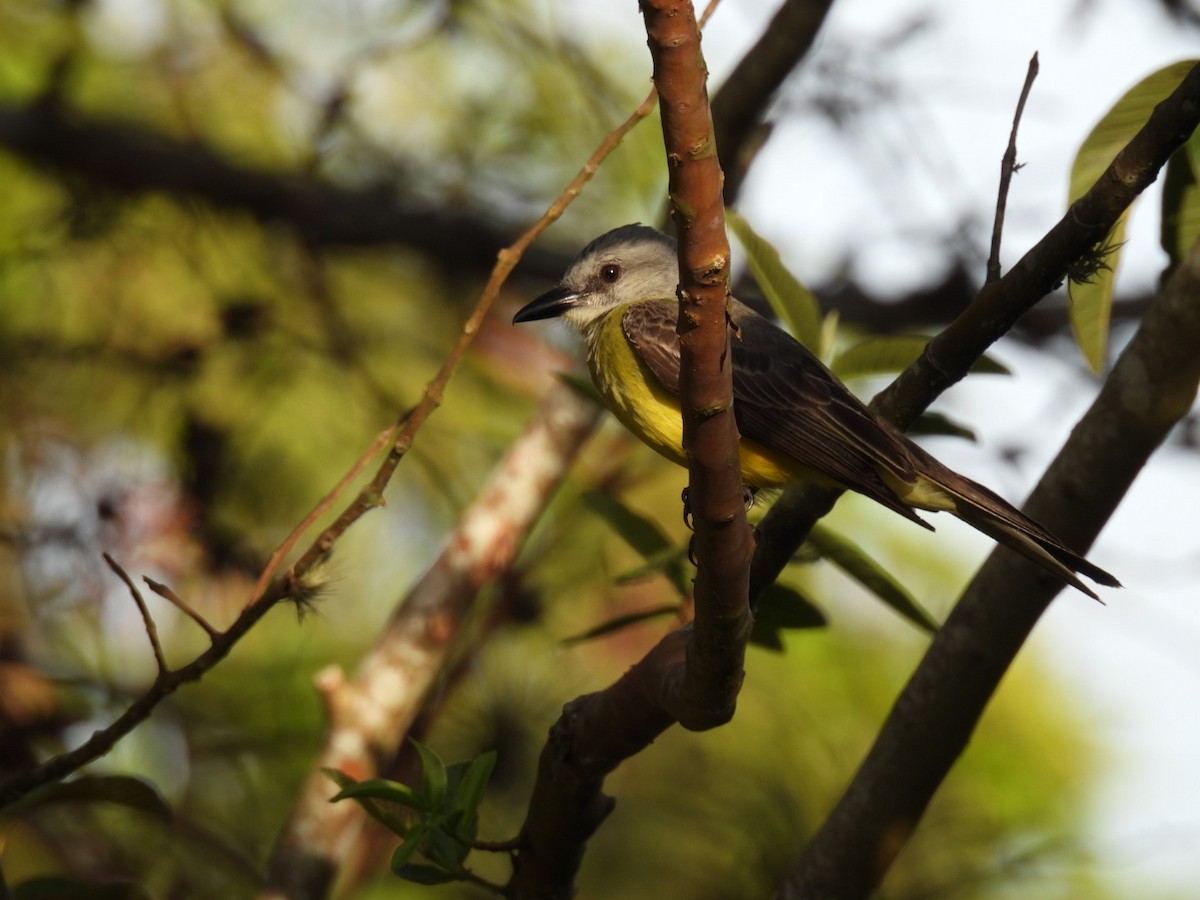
x: 554, y: 302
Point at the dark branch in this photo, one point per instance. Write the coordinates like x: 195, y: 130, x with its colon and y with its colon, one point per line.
x: 739, y: 107
x: 935, y: 714
x: 1152, y: 387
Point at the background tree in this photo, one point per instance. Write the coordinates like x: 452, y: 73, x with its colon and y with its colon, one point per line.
x: 237, y: 242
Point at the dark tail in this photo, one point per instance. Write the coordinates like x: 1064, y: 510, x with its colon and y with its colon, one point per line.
x: 1004, y: 523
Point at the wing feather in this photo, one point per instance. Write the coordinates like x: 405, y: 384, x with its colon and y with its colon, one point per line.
x: 786, y: 401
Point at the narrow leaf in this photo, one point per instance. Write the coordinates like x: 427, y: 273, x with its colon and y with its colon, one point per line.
x: 443, y: 846
x: 469, y: 792
x: 1181, y: 202
x: 382, y: 789
x: 636, y: 530
x: 668, y: 562
x: 619, y: 622
x: 795, y: 304
x: 781, y: 607
x: 411, y: 843
x: 1091, y: 286
x: 895, y: 353
x: 852, y: 560
x: 433, y: 775
x: 941, y: 424
x: 122, y: 790
x: 829, y: 330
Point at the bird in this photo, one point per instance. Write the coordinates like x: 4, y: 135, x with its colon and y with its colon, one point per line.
x: 798, y: 422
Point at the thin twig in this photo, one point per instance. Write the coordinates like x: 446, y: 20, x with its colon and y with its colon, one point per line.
x: 432, y: 397
x: 268, y: 572
x: 1008, y: 165
x: 174, y: 599
x: 151, y: 628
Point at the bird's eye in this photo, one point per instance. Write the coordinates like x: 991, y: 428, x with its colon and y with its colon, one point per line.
x: 610, y: 273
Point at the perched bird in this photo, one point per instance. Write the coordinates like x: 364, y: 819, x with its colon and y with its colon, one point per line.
x: 797, y: 420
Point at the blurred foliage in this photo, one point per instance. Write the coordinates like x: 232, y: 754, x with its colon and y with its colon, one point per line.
x: 181, y: 385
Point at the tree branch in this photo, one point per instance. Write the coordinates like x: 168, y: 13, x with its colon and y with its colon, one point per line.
x: 693, y: 675
x: 739, y: 107
x: 949, y: 356
x: 1152, y: 386
x: 723, y: 542
x: 1008, y: 166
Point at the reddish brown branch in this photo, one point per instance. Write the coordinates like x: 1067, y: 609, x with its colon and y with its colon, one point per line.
x: 693, y: 675
x: 723, y: 544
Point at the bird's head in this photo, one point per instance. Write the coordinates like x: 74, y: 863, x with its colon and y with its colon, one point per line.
x: 633, y: 262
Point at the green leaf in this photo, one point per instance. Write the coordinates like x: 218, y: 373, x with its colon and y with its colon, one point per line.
x: 795, y: 304
x: 617, y: 623
x: 468, y: 792
x: 419, y: 874
x: 852, y: 560
x: 444, y: 847
x: 381, y: 789
x: 939, y: 423
x: 1091, y: 289
x: 433, y: 775
x: 670, y: 562
x: 636, y: 530
x: 782, y: 607
x: 122, y: 790
x: 829, y: 330
x: 409, y: 846
x: 894, y: 353
x: 1181, y: 202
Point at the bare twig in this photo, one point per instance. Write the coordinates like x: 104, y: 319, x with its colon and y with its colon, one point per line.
x: 364, y: 502
x: 171, y: 597
x: 712, y: 678
x: 147, y: 619
x: 1008, y: 165
x: 308, y: 853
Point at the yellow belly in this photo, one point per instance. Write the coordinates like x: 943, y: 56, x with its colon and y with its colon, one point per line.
x: 639, y: 401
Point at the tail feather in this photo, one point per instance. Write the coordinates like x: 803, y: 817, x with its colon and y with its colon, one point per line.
x: 1004, y: 523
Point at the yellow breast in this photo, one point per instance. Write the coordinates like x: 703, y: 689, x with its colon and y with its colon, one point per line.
x: 639, y: 401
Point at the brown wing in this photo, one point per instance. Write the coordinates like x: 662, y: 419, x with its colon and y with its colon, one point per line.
x: 786, y: 401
